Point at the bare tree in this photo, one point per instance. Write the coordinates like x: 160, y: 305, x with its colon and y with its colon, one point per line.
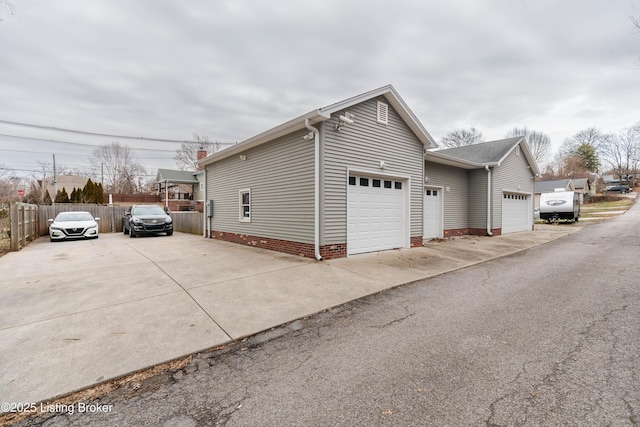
x: 461, y: 137
x: 187, y: 155
x: 539, y: 143
x: 8, y: 6
x: 622, y: 151
x: 590, y: 136
x: 636, y: 23
x: 121, y: 168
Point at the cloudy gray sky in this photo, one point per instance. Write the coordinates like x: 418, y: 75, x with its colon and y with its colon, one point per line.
x: 231, y: 69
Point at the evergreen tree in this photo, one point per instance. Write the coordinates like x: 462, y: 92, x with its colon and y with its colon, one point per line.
x: 87, y: 192
x: 62, y: 196
x: 99, y: 194
x: 47, y: 198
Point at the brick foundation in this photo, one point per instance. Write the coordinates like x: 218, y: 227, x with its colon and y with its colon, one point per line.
x: 287, y: 246
x: 471, y: 231
x: 416, y: 241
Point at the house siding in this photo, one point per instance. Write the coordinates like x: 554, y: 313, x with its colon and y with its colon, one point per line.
x: 512, y: 174
x: 280, y: 175
x: 478, y: 198
x: 363, y: 145
x: 456, y: 200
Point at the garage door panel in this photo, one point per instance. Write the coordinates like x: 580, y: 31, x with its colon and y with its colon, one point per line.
x: 516, y: 213
x: 375, y: 215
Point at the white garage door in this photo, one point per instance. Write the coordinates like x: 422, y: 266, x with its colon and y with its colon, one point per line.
x: 432, y: 214
x: 375, y: 214
x: 516, y: 213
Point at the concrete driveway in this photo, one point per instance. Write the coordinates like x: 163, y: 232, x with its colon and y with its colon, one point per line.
x: 73, y: 314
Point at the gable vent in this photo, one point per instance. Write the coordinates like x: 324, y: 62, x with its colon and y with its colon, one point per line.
x: 383, y: 113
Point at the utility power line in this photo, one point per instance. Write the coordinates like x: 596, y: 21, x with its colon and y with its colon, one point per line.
x: 81, y: 144
x: 81, y: 132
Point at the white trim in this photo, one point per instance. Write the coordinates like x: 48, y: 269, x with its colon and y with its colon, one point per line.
x: 441, y: 189
x: 241, y: 216
x: 406, y: 238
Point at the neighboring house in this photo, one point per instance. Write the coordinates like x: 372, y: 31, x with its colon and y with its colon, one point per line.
x: 585, y: 187
x: 484, y: 188
x: 552, y: 185
x: 177, y: 188
x: 349, y: 178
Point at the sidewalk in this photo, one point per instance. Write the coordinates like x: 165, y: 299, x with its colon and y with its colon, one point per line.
x: 95, y: 328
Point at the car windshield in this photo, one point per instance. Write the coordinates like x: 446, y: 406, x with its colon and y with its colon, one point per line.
x: 74, y: 216
x: 148, y: 210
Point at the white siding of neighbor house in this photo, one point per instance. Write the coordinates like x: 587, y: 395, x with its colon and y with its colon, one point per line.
x: 280, y: 175
x: 478, y: 198
x: 362, y: 145
x: 513, y: 174
x: 456, y: 200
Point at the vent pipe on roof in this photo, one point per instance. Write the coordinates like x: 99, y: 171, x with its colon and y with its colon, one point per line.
x: 316, y: 202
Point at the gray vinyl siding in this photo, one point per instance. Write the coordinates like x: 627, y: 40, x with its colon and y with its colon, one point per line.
x: 280, y: 175
x: 362, y: 145
x: 456, y: 200
x: 511, y: 174
x: 478, y: 198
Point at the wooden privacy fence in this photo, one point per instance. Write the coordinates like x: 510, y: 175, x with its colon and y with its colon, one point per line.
x: 188, y: 222
x: 111, y: 218
x: 23, y: 227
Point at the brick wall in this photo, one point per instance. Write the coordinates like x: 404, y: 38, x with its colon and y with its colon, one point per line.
x: 416, y: 241
x: 295, y: 248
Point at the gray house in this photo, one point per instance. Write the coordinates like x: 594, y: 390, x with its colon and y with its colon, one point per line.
x: 349, y: 178
x: 484, y: 189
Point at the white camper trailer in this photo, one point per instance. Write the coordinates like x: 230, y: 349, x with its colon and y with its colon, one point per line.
x: 560, y: 205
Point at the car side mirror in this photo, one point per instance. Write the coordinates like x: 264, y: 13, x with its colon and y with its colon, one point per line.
x: 49, y: 220
x: 97, y: 218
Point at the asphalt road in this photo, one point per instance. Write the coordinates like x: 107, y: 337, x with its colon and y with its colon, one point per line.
x: 550, y: 336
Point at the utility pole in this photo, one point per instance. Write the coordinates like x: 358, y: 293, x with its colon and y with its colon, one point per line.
x: 55, y: 181
x: 102, y: 173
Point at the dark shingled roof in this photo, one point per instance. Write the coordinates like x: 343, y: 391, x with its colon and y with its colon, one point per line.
x: 484, y: 152
x: 550, y: 186
x: 176, y: 176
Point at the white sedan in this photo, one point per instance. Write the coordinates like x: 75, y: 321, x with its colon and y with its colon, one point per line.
x: 73, y: 225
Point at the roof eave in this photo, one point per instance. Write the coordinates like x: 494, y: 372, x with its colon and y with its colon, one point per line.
x: 286, y: 128
x: 454, y: 161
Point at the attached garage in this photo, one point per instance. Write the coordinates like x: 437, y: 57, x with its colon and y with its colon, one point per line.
x: 517, y: 212
x: 376, y: 214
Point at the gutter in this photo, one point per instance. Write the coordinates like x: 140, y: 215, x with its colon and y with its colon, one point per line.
x: 488, y: 200
x: 316, y: 201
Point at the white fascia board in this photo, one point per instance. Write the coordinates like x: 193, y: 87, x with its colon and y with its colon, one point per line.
x: 524, y: 148
x: 293, y: 125
x: 396, y: 102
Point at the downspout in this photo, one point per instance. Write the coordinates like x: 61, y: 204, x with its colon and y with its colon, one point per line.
x: 316, y: 202
x: 488, y: 200
x: 205, y: 203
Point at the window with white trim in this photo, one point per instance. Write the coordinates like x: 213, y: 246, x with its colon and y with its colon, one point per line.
x: 383, y: 113
x: 245, y: 205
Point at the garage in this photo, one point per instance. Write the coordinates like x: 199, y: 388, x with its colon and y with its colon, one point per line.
x: 432, y: 213
x: 516, y: 212
x: 375, y: 214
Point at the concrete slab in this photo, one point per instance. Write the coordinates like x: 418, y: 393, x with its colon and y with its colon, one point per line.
x: 45, y: 359
x: 76, y: 313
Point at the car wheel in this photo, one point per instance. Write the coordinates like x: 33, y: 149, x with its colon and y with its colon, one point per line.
x: 132, y: 233
x: 169, y: 233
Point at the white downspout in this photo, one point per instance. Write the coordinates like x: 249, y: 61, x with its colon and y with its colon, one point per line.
x: 316, y: 202
x: 488, y: 200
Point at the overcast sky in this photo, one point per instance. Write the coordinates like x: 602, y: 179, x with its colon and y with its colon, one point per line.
x: 232, y: 69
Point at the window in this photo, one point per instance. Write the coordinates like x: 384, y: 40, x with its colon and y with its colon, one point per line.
x: 387, y: 184
x: 352, y: 180
x: 376, y: 183
x: 428, y: 192
x: 398, y: 185
x: 245, y: 205
x: 517, y: 150
x: 383, y: 113
x: 364, y: 182
x: 435, y: 192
